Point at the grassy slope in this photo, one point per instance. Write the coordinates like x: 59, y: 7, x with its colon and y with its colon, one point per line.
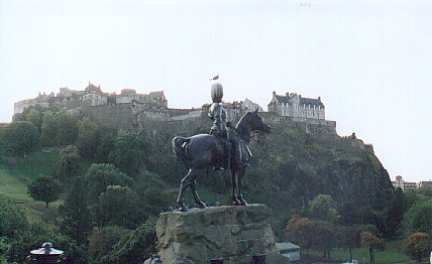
x: 14, y: 181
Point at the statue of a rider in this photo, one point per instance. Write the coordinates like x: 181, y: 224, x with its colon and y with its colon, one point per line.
x: 218, y: 115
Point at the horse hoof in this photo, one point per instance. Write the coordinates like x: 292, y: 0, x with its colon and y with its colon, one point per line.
x: 202, y: 205
x: 236, y: 202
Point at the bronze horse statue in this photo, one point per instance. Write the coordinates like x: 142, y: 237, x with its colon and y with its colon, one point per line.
x: 202, y: 152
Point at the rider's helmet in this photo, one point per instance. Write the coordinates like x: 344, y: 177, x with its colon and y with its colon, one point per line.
x: 216, y: 92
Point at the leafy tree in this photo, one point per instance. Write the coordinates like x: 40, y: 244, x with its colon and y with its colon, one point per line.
x: 102, y: 242
x: 33, y: 114
x: 88, y: 139
x: 300, y: 230
x: 46, y: 189
x: 68, y: 165
x: 418, y: 245
x: 395, y: 213
x: 4, y: 247
x: 348, y: 237
x: 119, y: 205
x: 153, y: 197
x: 128, y: 153
x: 372, y: 242
x: 12, y: 219
x: 323, y: 207
x: 136, y: 246
x: 100, y: 176
x: 419, y: 217
x: 324, y: 237
x: 21, y: 138
x: 58, y: 129
x: 76, y: 221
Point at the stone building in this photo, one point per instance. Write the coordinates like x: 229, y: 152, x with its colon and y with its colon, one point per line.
x: 424, y: 185
x: 92, y: 95
x: 405, y: 186
x: 294, y: 105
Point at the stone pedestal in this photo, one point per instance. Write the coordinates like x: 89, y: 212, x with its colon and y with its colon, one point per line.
x: 234, y: 233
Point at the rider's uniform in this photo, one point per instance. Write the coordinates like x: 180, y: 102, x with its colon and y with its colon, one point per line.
x: 218, y: 115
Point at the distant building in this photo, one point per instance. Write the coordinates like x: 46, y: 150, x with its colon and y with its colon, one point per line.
x: 405, y: 186
x: 294, y: 105
x: 424, y: 185
x: 92, y: 95
x: 289, y: 250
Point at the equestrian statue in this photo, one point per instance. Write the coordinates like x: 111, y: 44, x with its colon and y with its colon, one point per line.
x: 224, y: 148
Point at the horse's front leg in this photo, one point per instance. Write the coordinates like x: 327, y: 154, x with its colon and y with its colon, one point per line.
x: 184, y: 184
x: 240, y: 175
x: 234, y: 183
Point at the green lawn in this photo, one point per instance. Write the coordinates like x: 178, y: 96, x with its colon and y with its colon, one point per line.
x: 392, y: 254
x: 14, y: 181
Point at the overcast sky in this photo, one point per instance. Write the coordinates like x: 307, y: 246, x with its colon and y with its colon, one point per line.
x: 370, y: 61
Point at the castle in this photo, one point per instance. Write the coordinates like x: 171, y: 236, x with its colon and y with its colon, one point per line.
x: 294, y: 105
x: 92, y: 95
x: 131, y: 110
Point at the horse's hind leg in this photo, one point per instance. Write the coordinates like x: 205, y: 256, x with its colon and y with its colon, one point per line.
x: 184, y: 184
x: 198, y: 201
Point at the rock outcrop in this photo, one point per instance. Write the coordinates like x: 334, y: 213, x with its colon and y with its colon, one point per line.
x: 233, y: 233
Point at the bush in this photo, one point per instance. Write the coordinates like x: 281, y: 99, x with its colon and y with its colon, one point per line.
x: 418, y: 246
x: 21, y: 138
x: 12, y: 219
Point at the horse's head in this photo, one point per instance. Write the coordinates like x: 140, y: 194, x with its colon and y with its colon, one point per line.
x: 256, y: 123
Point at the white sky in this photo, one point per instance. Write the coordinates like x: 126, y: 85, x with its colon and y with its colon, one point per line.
x: 370, y: 61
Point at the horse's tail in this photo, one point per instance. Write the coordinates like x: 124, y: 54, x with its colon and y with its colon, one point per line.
x: 179, y: 147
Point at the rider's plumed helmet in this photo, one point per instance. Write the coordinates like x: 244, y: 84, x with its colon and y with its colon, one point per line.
x: 216, y: 92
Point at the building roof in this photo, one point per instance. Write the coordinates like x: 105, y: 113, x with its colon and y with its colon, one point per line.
x: 286, y: 246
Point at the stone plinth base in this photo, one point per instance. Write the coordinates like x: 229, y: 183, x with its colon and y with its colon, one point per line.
x: 234, y: 233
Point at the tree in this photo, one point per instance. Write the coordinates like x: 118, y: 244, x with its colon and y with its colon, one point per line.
x: 324, y: 237
x: 21, y: 138
x: 102, y: 242
x: 33, y: 114
x: 323, y: 207
x: 88, y: 139
x: 76, y: 221
x: 348, y: 237
x: 46, y: 189
x: 395, y: 213
x: 119, y: 205
x: 136, y: 246
x: 372, y: 242
x: 418, y: 245
x: 58, y: 129
x: 100, y: 176
x: 300, y: 231
x: 12, y: 218
x: 151, y: 190
x: 419, y: 217
x: 68, y: 165
x: 128, y: 153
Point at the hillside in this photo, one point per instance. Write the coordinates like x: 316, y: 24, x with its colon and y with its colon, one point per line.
x: 291, y: 167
